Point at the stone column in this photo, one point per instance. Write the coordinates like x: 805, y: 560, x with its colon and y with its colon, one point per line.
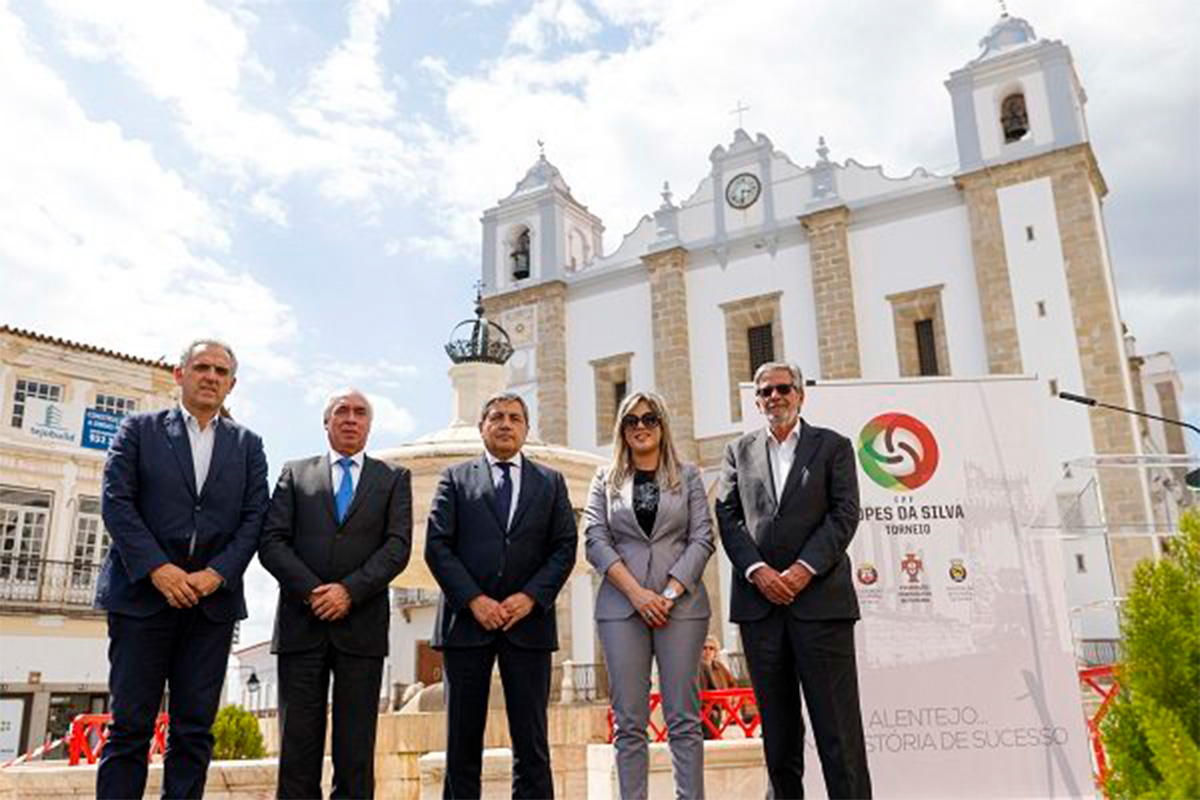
x: 550, y: 300
x: 672, y: 353
x: 991, y: 273
x: 833, y: 292
x: 1077, y: 186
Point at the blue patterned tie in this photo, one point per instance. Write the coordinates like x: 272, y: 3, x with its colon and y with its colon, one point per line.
x: 345, y: 492
x: 504, y: 492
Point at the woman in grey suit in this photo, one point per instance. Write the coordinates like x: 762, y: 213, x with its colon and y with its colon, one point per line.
x: 648, y: 533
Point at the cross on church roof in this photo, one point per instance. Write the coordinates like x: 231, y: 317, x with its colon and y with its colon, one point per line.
x: 740, y: 110
x: 1003, y: 8
x: 541, y: 148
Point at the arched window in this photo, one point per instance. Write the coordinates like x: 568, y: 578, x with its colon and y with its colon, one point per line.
x: 520, y: 255
x: 1013, y: 118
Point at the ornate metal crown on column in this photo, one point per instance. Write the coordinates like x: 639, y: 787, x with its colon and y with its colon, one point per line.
x: 479, y: 340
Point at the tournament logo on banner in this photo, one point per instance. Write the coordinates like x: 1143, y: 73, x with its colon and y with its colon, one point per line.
x: 898, y: 451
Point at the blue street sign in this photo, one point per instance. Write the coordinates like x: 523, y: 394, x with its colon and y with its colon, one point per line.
x: 99, y: 428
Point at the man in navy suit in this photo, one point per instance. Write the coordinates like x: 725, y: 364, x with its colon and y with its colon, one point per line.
x: 501, y: 543
x: 184, y: 495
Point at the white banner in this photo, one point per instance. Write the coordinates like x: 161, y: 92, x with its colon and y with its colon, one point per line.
x: 52, y: 421
x: 12, y: 713
x: 966, y: 662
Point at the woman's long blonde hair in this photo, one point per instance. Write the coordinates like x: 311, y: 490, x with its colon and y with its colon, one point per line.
x: 621, y: 468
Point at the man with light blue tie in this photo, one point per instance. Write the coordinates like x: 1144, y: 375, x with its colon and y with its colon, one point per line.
x: 338, y: 530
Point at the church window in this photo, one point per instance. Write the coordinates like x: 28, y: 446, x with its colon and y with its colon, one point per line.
x: 753, y: 336
x: 578, y: 254
x: 920, y: 332
x: 520, y: 256
x: 611, y: 376
x: 1013, y: 118
x: 1029, y: 237
x: 926, y: 347
x: 1041, y: 308
x: 1053, y: 387
x: 762, y: 346
x: 1080, y: 563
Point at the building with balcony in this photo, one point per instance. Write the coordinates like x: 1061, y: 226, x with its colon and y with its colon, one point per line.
x: 61, y: 402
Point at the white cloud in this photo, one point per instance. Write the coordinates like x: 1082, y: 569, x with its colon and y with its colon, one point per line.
x: 270, y: 207
x: 391, y: 420
x: 381, y: 380
x: 350, y: 83
x: 564, y: 20
x: 434, y: 248
x: 343, y: 131
x: 101, y: 242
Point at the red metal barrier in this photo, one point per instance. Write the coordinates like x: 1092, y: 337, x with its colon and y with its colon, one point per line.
x: 720, y: 710
x: 87, y: 729
x: 1092, y: 678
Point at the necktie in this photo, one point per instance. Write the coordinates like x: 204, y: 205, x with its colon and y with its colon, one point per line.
x: 504, y: 492
x: 345, y: 492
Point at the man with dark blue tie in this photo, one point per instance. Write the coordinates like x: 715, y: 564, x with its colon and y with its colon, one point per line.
x: 501, y: 544
x: 338, y: 530
x: 183, y: 499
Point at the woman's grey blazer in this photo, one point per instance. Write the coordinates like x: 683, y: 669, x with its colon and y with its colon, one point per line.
x: 678, y: 547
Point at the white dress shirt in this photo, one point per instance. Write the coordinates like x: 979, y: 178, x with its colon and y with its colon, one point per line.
x: 514, y: 475
x: 336, y: 470
x: 201, y: 442
x: 782, y: 455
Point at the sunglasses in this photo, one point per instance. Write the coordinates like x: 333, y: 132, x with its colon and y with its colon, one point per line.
x: 782, y: 389
x: 648, y: 420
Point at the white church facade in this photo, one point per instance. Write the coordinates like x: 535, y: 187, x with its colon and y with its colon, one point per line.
x: 1000, y: 267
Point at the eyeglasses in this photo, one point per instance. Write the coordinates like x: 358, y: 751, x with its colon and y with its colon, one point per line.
x: 782, y: 389
x: 648, y: 420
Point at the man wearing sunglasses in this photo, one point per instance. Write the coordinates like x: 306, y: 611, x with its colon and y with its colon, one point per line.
x: 787, y: 506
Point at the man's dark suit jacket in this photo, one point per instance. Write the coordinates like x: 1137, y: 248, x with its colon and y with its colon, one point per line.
x: 304, y: 546
x: 813, y: 521
x: 152, y: 506
x: 469, y: 553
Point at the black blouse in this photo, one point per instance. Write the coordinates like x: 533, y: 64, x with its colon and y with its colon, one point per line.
x: 645, y: 499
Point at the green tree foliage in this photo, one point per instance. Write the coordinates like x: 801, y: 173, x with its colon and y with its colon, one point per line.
x: 1152, y: 731
x: 237, y: 735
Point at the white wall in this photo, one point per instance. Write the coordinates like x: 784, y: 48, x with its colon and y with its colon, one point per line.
x: 750, y: 273
x: 1048, y: 344
x: 605, y: 320
x: 583, y: 624
x: 60, y: 659
x: 914, y: 253
x: 402, y: 642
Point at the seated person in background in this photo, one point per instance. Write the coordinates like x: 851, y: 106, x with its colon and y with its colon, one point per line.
x: 714, y: 675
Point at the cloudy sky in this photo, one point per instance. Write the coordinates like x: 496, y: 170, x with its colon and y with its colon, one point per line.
x: 305, y: 179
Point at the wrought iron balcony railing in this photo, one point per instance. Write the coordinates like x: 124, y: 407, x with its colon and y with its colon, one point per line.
x: 36, y: 584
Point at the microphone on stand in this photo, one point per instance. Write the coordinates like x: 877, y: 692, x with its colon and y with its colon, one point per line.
x: 1191, y: 479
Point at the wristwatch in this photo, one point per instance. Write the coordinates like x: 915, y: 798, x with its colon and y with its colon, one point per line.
x: 670, y: 593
